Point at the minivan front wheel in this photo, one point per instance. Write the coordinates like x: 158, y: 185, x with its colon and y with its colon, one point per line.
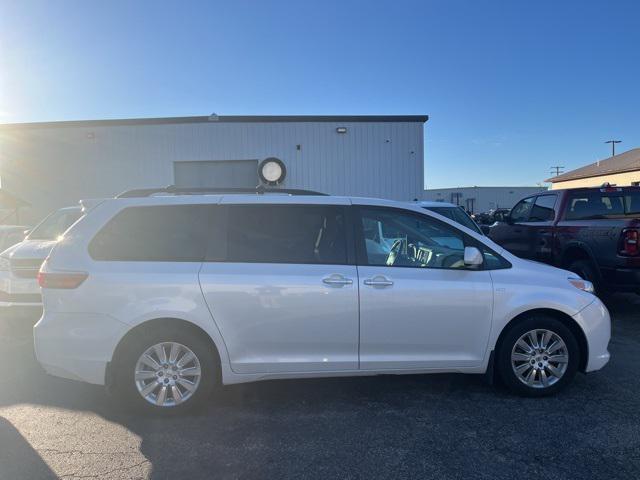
x: 166, y: 372
x: 538, y: 356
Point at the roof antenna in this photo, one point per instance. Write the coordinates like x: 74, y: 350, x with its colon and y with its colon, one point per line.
x: 213, y: 117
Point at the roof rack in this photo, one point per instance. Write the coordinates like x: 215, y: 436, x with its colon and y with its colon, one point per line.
x: 173, y: 189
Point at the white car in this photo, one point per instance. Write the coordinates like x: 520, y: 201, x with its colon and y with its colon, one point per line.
x: 11, y: 234
x: 165, y: 296
x: 20, y: 299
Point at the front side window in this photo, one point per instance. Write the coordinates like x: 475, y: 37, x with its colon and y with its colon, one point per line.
x: 520, y: 213
x: 166, y: 233
x: 543, y: 209
x: 396, y: 239
x: 312, y: 234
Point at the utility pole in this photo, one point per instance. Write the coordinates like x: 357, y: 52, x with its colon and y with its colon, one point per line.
x: 613, y: 146
x: 557, y: 169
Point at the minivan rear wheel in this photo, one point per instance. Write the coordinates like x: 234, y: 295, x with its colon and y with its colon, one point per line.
x: 166, y: 372
x: 538, y: 356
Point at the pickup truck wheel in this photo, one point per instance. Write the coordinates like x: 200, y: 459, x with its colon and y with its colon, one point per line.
x: 587, y: 271
x: 538, y: 356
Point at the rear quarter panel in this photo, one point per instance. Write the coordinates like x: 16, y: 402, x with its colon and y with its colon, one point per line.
x: 129, y: 292
x: 599, y: 238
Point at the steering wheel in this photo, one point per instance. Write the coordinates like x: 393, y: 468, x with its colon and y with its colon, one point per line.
x: 396, y: 248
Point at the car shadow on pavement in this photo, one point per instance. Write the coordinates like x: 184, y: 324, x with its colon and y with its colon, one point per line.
x: 365, y: 427
x: 17, y: 456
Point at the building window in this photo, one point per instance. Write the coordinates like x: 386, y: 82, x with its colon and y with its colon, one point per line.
x: 456, y: 197
x: 471, y: 202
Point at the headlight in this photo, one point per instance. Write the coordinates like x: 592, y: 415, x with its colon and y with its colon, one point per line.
x: 5, y: 264
x: 584, y: 285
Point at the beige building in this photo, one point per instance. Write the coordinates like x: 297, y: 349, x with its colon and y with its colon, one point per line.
x: 621, y: 170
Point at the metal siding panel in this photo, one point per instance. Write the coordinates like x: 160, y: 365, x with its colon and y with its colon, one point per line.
x: 53, y: 167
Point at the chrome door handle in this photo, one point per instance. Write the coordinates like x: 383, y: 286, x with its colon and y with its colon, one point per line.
x: 378, y: 281
x: 337, y: 280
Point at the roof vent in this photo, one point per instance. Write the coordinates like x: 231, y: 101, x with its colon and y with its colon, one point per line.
x: 213, y: 117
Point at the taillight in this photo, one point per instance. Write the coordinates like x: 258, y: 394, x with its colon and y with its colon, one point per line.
x: 629, y: 244
x: 67, y: 280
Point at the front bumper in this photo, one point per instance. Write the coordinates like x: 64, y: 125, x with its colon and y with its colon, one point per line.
x: 77, y: 346
x: 596, y: 325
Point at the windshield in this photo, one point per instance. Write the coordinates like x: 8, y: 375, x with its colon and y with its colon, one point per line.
x: 55, y: 224
x: 457, y: 215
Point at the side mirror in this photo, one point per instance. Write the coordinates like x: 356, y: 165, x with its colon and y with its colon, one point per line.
x: 472, y: 257
x: 485, y: 229
x: 508, y: 219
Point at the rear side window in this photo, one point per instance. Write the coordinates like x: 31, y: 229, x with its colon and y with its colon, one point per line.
x: 586, y: 205
x: 313, y: 234
x: 165, y: 233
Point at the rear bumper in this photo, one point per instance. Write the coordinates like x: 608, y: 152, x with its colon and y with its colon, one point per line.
x: 17, y: 320
x: 596, y: 325
x: 621, y: 279
x: 26, y: 312
x: 77, y: 346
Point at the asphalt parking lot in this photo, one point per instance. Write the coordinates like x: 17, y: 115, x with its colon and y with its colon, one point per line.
x: 438, y: 426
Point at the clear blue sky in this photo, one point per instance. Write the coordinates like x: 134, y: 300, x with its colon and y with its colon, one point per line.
x: 512, y: 87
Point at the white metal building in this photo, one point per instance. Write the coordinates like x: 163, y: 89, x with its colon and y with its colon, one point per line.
x: 480, y: 199
x: 54, y: 164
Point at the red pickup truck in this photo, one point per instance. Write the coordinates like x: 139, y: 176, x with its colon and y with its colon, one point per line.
x: 591, y: 231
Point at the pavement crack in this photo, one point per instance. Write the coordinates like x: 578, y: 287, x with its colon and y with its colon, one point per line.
x: 56, y: 451
x: 108, y: 472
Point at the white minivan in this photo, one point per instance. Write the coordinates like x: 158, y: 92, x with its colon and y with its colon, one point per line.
x: 165, y: 294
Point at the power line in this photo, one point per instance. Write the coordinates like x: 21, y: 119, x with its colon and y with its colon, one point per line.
x: 558, y: 169
x: 613, y: 146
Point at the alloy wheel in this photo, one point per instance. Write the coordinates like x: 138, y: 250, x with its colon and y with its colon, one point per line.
x: 167, y: 374
x: 539, y: 358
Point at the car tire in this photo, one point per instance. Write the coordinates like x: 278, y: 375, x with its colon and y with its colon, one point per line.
x: 128, y: 388
x: 515, y: 364
x: 587, y: 271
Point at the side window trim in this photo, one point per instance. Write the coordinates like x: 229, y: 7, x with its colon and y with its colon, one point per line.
x: 218, y: 252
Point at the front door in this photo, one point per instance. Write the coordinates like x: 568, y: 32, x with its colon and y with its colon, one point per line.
x: 420, y: 306
x: 515, y: 234
x: 541, y: 228
x: 283, y: 294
